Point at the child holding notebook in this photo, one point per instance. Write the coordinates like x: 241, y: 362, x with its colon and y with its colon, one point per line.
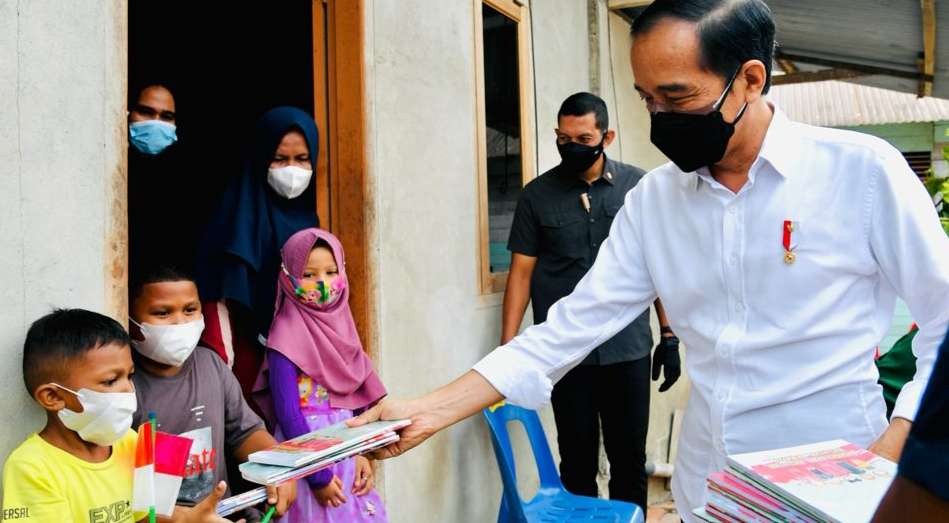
x: 316, y: 375
x: 189, y: 388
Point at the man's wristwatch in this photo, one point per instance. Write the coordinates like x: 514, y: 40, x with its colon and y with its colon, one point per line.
x: 667, y: 335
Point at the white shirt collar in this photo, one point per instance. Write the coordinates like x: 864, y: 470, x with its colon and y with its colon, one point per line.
x: 780, y: 143
x: 778, y: 149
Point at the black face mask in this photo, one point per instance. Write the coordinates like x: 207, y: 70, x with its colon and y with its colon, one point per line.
x: 693, y: 141
x: 577, y: 157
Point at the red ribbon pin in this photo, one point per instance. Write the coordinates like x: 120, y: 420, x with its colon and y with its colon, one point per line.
x: 788, y: 229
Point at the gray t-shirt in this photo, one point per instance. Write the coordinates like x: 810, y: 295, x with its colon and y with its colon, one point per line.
x: 202, y: 402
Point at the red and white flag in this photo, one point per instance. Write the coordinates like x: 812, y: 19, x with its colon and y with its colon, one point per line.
x: 160, y: 461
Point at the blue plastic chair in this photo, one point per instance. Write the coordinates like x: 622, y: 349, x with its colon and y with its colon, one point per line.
x: 552, y: 503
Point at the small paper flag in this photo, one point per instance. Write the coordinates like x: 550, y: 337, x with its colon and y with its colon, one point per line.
x: 160, y: 461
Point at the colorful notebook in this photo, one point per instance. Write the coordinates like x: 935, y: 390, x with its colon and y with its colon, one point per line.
x: 319, y: 444
x: 833, y: 481
x: 275, y: 475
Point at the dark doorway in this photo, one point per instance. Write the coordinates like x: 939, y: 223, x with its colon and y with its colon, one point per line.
x: 226, y: 64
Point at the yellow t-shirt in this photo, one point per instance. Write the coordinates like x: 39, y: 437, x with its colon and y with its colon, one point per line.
x: 43, y: 483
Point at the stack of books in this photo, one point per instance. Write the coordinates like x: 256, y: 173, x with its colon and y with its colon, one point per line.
x: 304, y: 455
x: 241, y: 501
x: 832, y: 481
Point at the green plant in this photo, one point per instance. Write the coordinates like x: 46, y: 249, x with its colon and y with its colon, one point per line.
x: 938, y: 188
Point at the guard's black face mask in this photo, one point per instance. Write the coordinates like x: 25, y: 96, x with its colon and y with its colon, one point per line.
x: 577, y: 157
x: 692, y: 141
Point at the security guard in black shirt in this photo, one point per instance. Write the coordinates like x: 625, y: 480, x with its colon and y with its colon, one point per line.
x: 561, y: 220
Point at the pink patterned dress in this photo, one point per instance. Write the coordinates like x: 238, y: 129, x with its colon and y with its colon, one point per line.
x: 316, y: 409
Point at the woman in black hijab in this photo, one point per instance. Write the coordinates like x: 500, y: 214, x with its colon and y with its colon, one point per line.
x: 238, y: 262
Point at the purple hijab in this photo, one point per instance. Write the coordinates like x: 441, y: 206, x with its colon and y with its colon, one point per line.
x: 321, y: 341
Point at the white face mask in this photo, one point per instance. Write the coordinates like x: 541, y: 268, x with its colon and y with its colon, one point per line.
x: 169, y: 344
x: 105, y: 416
x: 289, y: 181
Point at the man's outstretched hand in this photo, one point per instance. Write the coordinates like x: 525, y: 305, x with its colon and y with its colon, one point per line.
x: 423, y: 425
x: 431, y: 413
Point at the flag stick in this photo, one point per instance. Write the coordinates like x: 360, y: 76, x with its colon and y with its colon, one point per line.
x: 153, y: 420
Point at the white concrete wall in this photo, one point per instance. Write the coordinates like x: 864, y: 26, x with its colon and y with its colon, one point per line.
x: 433, y: 322
x: 561, y: 66
x: 422, y: 125
x: 62, y: 77
x: 627, y: 110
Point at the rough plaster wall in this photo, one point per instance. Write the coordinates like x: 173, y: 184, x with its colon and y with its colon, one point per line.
x: 561, y: 64
x: 62, y: 83
x: 631, y: 115
x: 423, y: 161
x: 433, y: 323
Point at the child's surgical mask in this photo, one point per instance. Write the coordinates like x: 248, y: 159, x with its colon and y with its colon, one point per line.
x: 152, y: 136
x: 169, y: 344
x: 316, y: 292
x: 105, y: 416
x: 289, y: 181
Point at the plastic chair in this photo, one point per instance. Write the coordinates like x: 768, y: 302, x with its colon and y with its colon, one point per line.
x: 552, y: 503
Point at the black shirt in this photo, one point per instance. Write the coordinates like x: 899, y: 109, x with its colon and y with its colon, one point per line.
x: 166, y: 210
x: 926, y: 453
x: 551, y: 224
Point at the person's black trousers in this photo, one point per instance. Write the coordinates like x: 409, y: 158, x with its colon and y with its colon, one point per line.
x: 616, y: 396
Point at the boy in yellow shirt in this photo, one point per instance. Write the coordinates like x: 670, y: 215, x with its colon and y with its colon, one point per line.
x: 77, y: 365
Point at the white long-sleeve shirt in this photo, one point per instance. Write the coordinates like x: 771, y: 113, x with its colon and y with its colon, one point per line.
x: 779, y: 354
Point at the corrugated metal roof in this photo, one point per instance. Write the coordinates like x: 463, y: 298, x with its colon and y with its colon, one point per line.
x: 835, y: 103
x: 882, y: 33
x: 876, y: 33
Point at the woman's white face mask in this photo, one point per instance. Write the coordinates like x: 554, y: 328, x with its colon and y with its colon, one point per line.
x: 169, y: 344
x: 289, y: 181
x: 105, y: 416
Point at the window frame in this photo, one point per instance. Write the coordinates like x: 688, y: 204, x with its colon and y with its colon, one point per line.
x: 517, y: 11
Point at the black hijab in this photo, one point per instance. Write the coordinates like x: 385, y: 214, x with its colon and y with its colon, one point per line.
x: 240, y: 255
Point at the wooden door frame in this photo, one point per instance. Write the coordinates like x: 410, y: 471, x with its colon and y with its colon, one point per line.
x: 344, y: 193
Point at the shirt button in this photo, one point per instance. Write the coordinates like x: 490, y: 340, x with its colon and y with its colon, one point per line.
x: 721, y: 395
x: 733, y: 259
x: 733, y: 210
x: 739, y: 306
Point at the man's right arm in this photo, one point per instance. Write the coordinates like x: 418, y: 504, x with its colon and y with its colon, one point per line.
x: 517, y: 294
x: 616, y: 290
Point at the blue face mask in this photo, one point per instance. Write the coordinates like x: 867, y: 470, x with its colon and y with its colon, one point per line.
x: 152, y: 136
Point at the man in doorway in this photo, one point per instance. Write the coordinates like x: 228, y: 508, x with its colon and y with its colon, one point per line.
x: 152, y: 120
x: 561, y: 220
x: 778, y: 250
x: 165, y: 195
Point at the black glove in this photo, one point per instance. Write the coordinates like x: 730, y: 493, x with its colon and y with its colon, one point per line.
x: 666, y: 357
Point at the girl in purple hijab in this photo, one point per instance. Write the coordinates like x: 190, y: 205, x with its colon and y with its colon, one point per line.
x: 317, y: 374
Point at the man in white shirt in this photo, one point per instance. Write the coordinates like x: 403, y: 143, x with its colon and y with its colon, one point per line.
x: 777, y: 248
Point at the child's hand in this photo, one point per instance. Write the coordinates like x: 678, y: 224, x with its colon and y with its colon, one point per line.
x: 365, y: 477
x: 282, y: 496
x: 332, y: 494
x: 204, y: 512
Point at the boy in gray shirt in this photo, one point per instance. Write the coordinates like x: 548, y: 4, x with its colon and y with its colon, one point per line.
x: 191, y: 392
